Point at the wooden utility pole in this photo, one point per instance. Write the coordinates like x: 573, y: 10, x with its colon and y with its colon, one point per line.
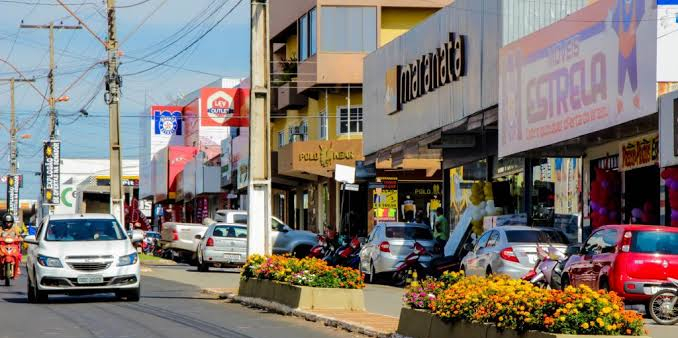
x: 259, y: 185
x: 112, y: 98
x: 52, y: 100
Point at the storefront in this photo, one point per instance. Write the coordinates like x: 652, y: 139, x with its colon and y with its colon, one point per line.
x: 318, y: 201
x: 570, y: 91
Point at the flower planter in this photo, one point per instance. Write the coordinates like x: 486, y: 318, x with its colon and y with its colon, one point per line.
x: 303, y: 297
x: 422, y: 324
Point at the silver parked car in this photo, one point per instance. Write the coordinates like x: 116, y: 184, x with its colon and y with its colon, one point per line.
x: 389, y: 244
x: 510, y: 250
x: 224, y: 245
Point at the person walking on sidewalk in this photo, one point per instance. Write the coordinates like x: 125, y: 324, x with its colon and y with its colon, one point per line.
x: 441, y: 229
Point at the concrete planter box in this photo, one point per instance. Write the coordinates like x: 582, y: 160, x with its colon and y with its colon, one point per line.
x: 422, y: 324
x: 303, y: 297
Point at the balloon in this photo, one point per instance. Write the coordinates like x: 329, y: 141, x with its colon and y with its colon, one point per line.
x: 636, y: 212
x: 604, y: 184
x: 614, y: 216
x: 674, y: 217
x: 602, y: 211
x: 674, y: 212
x: 674, y: 223
x: 674, y: 185
x: 594, y: 206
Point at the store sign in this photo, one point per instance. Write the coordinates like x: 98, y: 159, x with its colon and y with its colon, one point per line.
x: 51, y: 173
x: 222, y: 107
x: 167, y: 120
x: 431, y: 71
x: 127, y: 181
x: 13, y: 195
x: 319, y: 157
x: 639, y: 152
x: 578, y: 76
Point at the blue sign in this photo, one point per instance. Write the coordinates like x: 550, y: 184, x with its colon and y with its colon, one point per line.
x: 167, y: 123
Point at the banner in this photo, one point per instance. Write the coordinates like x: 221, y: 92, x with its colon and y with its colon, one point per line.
x: 590, y: 71
x: 639, y: 152
x: 224, y: 107
x: 51, y: 173
x: 385, y: 202
x: 13, y: 195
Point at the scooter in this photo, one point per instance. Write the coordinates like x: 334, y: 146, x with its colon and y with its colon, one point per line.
x: 9, y: 259
x: 345, y: 255
x: 323, y: 249
x: 548, y: 264
x: 663, y: 304
x: 433, y: 268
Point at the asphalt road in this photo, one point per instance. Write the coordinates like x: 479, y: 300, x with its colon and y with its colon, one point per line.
x: 167, y: 309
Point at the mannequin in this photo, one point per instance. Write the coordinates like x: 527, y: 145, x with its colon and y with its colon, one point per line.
x: 431, y: 208
x: 408, y: 209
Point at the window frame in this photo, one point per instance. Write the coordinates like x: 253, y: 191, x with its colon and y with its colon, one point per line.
x: 307, y: 35
x: 324, y: 126
x: 281, y: 138
x: 349, y: 121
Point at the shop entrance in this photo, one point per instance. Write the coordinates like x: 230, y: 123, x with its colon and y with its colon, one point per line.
x: 642, y: 195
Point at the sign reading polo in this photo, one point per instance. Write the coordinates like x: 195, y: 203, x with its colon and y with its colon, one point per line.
x: 318, y: 157
x: 590, y: 71
x: 428, y: 73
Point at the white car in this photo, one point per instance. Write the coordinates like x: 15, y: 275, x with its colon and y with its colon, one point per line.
x: 81, y: 254
x: 223, y: 245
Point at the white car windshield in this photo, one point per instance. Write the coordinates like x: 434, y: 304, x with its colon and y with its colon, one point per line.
x: 84, y: 230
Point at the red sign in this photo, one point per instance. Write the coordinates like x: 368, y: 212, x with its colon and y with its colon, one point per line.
x: 178, y: 157
x: 222, y: 107
x: 192, y: 123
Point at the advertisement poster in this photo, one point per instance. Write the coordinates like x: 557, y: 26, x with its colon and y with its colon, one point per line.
x: 13, y: 195
x: 385, y: 202
x: 224, y: 107
x: 51, y: 173
x: 580, y: 75
x: 639, y: 152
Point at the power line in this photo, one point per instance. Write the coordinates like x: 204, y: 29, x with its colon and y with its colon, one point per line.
x: 190, y: 45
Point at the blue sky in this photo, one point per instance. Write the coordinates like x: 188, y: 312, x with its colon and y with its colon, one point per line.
x: 151, y: 30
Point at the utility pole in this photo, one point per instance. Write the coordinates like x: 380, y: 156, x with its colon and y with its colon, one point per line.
x: 12, y: 124
x: 52, y: 100
x: 259, y: 185
x: 12, y: 145
x: 112, y: 98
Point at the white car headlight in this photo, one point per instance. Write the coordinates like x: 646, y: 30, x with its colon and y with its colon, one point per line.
x: 130, y: 259
x: 49, y: 262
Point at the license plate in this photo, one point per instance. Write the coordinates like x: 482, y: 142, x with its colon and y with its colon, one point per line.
x: 232, y: 257
x: 94, y: 279
x: 651, y: 290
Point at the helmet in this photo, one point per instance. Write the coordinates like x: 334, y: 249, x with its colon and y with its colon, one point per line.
x: 7, y: 221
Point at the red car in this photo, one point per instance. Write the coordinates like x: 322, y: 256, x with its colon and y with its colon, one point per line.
x: 632, y: 260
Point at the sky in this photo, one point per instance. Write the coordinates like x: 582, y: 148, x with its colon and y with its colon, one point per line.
x: 160, y: 33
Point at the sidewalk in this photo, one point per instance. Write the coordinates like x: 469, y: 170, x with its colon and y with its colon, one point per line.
x: 380, y: 320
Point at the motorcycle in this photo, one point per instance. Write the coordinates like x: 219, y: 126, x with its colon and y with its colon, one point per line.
x: 10, y: 252
x: 434, y: 267
x: 548, y: 269
x: 662, y: 307
x: 346, y: 255
x: 323, y: 249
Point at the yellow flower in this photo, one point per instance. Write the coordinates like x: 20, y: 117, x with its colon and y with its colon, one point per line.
x: 501, y: 318
x: 607, y: 310
x: 562, y: 318
x: 569, y: 305
x: 585, y: 326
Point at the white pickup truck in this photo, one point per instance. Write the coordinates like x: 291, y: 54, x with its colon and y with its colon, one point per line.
x: 180, y: 239
x: 285, y: 239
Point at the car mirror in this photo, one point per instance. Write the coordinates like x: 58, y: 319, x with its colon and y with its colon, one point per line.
x: 468, y: 247
x: 30, y: 239
x: 608, y: 249
x: 198, y: 237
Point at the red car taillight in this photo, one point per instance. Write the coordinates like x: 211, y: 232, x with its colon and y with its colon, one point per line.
x: 210, y: 242
x: 508, y: 255
x: 626, y: 241
x: 175, y: 235
x: 385, y: 247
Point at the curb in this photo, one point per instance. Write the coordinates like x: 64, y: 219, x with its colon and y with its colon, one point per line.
x: 307, y: 315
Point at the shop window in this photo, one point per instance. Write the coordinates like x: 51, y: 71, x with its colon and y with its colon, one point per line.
x: 303, y: 130
x: 352, y: 123
x: 307, y: 35
x: 324, y: 130
x: 349, y: 29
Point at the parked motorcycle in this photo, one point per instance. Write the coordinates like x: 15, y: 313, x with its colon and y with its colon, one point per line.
x: 548, y: 269
x: 9, y: 259
x: 662, y: 305
x: 324, y: 248
x: 433, y: 267
x: 348, y: 254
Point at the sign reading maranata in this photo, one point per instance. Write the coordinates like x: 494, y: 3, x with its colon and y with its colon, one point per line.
x: 426, y: 74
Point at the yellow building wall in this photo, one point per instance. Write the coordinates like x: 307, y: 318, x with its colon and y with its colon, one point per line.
x: 397, y: 21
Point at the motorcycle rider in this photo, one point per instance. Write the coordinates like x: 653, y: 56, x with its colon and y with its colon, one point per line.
x: 10, y: 230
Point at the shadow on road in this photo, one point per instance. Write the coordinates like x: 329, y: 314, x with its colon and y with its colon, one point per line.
x: 225, y: 271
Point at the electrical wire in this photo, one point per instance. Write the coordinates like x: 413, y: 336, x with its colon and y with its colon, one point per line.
x: 190, y: 45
